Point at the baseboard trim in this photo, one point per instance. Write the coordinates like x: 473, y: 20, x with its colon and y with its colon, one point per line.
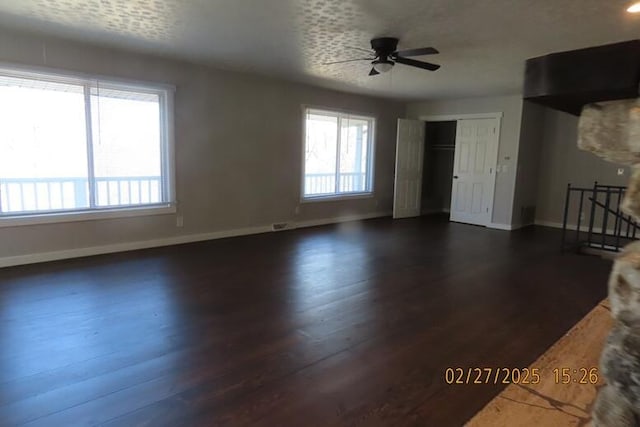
x: 347, y: 218
x: 169, y: 241
x: 498, y: 226
x: 573, y: 227
x: 551, y: 224
x: 128, y: 246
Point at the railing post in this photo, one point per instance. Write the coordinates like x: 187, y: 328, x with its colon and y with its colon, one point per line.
x: 594, y: 197
x: 566, y: 215
x: 605, y: 217
x: 618, y: 225
x: 577, y: 243
x: 22, y: 207
x: 7, y: 198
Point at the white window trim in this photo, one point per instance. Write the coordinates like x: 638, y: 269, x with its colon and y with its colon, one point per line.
x: 165, y: 93
x: 370, y: 166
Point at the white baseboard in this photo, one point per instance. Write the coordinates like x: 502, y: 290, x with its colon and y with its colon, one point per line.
x: 498, y: 226
x: 128, y: 246
x: 551, y: 224
x: 573, y: 227
x: 507, y: 227
x: 348, y: 218
x: 169, y: 241
x: 519, y: 226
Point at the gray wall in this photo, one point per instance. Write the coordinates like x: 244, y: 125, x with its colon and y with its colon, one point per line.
x: 531, y: 140
x: 238, y: 148
x: 561, y: 162
x: 511, y: 107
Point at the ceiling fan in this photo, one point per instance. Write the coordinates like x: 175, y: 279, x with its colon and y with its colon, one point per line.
x: 386, y: 56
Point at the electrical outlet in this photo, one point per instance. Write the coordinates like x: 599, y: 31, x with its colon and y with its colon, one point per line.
x: 179, y: 220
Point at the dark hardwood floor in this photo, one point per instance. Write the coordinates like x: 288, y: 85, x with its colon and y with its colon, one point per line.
x: 350, y: 325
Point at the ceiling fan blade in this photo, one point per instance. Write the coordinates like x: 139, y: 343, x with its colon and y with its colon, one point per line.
x: 373, y: 72
x: 417, y: 52
x: 413, y: 63
x: 348, y: 60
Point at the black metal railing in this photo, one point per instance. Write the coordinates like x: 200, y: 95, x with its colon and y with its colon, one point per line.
x: 593, y: 219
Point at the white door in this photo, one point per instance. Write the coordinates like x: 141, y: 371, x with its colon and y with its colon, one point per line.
x: 408, y: 180
x: 474, y: 171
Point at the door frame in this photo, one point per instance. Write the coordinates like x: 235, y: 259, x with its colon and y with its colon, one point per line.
x: 494, y: 161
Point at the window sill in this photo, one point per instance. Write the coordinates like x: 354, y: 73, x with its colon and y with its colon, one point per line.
x: 336, y: 197
x: 52, y: 218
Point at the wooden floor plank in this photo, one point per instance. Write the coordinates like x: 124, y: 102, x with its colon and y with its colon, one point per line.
x: 336, y: 325
x: 551, y: 401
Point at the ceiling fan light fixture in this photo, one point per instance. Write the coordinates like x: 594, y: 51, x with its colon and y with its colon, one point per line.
x: 383, y: 66
x: 634, y: 8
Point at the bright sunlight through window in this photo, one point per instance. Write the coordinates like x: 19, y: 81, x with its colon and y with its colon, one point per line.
x: 69, y: 144
x: 338, y: 154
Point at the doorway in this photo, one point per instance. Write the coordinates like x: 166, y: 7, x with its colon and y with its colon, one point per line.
x: 437, y: 173
x: 447, y: 164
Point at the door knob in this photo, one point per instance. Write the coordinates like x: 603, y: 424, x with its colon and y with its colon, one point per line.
x: 455, y: 176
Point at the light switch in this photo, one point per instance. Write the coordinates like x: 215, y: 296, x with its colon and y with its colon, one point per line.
x: 620, y: 171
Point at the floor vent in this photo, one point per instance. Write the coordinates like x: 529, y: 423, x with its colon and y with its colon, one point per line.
x: 279, y: 226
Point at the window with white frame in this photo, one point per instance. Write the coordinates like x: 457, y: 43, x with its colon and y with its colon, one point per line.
x: 71, y: 144
x: 338, y: 154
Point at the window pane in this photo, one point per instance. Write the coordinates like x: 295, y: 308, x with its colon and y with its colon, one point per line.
x: 43, y: 157
x: 353, y: 155
x: 126, y: 147
x: 320, y: 154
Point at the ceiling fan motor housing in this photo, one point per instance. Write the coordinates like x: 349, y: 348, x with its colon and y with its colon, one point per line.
x: 384, y: 46
x: 387, y: 55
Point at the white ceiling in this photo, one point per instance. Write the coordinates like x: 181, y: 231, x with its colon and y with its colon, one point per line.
x: 483, y: 43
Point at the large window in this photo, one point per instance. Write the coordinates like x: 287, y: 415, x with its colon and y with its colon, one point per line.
x: 71, y: 144
x: 338, y: 154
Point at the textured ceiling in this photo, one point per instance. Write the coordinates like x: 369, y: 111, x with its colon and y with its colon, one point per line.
x: 483, y: 43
